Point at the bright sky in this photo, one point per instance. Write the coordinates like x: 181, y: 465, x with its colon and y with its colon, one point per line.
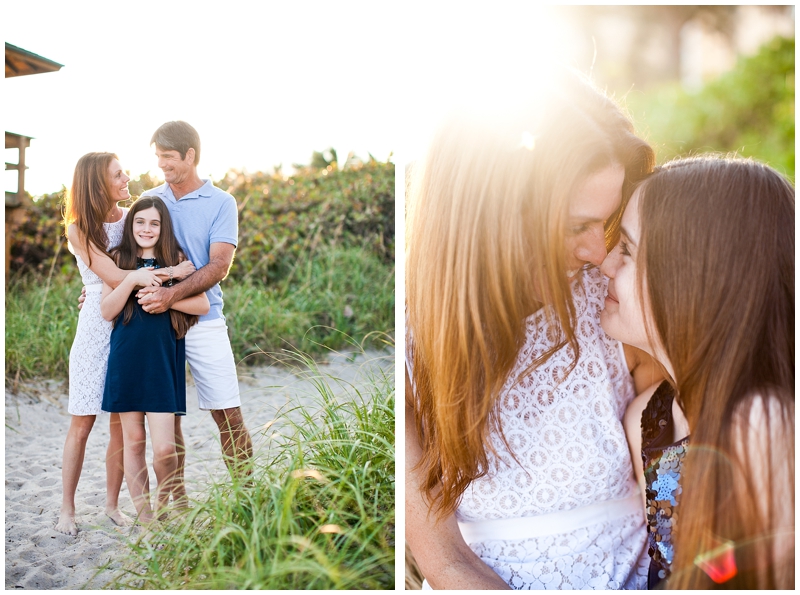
x: 263, y: 82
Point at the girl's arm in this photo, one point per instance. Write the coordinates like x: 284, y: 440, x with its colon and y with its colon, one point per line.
x: 105, y: 267
x: 645, y: 370
x: 197, y: 304
x: 444, y: 558
x: 763, y: 435
x: 113, y: 300
x: 632, y: 422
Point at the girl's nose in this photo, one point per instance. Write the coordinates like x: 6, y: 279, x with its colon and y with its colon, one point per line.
x: 611, y: 263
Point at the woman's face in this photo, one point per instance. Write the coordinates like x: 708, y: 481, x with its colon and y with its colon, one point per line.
x: 117, y: 182
x: 147, y: 227
x: 622, y: 317
x: 589, y: 209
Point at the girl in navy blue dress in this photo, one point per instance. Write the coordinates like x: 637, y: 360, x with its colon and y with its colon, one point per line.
x: 146, y: 364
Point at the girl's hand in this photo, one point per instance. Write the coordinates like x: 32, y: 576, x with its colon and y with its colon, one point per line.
x: 183, y: 270
x: 145, y: 277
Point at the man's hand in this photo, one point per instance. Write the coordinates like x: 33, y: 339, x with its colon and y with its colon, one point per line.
x: 81, y: 298
x: 155, y: 300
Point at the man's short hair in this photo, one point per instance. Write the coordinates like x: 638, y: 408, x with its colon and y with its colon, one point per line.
x: 177, y: 136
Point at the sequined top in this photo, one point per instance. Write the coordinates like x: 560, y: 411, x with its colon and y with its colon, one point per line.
x: 663, y: 461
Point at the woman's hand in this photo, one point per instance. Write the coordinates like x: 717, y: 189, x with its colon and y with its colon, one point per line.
x: 183, y: 270
x: 145, y: 277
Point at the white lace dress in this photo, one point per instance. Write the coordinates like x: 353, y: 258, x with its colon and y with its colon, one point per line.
x: 88, y: 358
x: 566, y: 514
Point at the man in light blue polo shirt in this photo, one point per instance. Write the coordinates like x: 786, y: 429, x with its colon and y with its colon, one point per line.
x: 205, y: 220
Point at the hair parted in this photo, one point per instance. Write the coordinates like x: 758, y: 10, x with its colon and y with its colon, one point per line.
x: 716, y: 253
x: 488, y: 210
x: 177, y: 136
x: 87, y: 203
x: 167, y: 252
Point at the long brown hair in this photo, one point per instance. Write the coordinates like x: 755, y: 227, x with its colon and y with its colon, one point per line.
x: 167, y: 252
x: 717, y: 254
x: 87, y: 203
x: 488, y: 210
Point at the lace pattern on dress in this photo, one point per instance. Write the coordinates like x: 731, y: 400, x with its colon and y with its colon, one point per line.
x: 88, y: 357
x: 569, y: 450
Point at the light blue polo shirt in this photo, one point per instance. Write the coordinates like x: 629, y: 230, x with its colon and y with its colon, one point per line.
x: 201, y: 218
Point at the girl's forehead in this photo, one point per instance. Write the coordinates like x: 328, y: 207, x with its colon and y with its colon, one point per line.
x: 149, y: 213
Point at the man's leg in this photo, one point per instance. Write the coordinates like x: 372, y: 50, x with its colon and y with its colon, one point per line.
x: 237, y: 447
x: 210, y: 358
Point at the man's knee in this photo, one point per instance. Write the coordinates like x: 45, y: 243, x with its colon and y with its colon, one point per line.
x: 229, y: 419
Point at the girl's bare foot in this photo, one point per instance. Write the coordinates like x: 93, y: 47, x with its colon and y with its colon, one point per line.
x: 66, y: 523
x: 119, y: 518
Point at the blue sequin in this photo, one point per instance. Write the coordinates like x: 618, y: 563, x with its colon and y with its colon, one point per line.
x: 662, y: 470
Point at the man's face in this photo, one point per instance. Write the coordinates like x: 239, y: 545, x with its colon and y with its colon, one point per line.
x: 176, y: 170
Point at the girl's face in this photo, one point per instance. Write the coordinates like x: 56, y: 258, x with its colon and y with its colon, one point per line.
x: 117, y: 182
x: 147, y: 227
x: 593, y: 204
x: 622, y: 317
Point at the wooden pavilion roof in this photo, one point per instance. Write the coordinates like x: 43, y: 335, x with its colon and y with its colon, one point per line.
x: 20, y: 62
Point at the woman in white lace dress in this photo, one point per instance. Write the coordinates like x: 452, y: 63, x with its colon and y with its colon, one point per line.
x: 518, y: 472
x: 93, y: 222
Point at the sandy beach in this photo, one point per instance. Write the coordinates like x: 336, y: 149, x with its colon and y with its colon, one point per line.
x: 38, y: 557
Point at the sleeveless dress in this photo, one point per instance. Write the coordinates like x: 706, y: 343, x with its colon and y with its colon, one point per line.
x: 562, y: 509
x: 88, y: 356
x: 663, y: 462
x: 146, y: 363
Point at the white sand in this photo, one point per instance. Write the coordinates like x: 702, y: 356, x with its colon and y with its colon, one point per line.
x: 38, y: 557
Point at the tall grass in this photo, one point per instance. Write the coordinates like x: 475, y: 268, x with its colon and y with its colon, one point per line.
x: 339, y: 292
x: 317, y: 512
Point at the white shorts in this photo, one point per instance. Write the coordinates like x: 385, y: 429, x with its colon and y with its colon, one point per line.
x: 210, y: 357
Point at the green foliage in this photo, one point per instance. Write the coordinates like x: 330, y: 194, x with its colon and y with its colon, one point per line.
x: 41, y: 317
x: 40, y: 238
x: 280, y: 220
x: 319, y: 512
x: 749, y: 110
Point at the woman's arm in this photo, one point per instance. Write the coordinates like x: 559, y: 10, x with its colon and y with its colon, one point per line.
x: 113, y: 300
x: 197, y: 304
x: 632, y: 422
x: 102, y: 265
x: 443, y: 556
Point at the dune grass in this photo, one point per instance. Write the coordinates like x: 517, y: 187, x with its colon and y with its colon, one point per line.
x: 316, y: 513
x: 339, y: 292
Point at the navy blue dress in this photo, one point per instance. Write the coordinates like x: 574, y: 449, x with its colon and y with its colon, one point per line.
x: 146, y: 364
x: 663, y: 464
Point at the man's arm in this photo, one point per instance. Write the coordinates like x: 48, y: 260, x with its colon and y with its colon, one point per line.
x: 160, y: 299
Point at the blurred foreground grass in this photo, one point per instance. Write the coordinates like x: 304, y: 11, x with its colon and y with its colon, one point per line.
x: 318, y: 512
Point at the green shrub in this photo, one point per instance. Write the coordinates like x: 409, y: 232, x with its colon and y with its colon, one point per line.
x: 749, y: 110
x: 281, y: 221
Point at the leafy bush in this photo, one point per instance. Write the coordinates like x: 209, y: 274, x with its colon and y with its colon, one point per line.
x: 749, y: 110
x: 280, y: 220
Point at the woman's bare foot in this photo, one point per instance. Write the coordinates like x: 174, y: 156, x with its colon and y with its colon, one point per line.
x: 66, y: 523
x: 119, y: 518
